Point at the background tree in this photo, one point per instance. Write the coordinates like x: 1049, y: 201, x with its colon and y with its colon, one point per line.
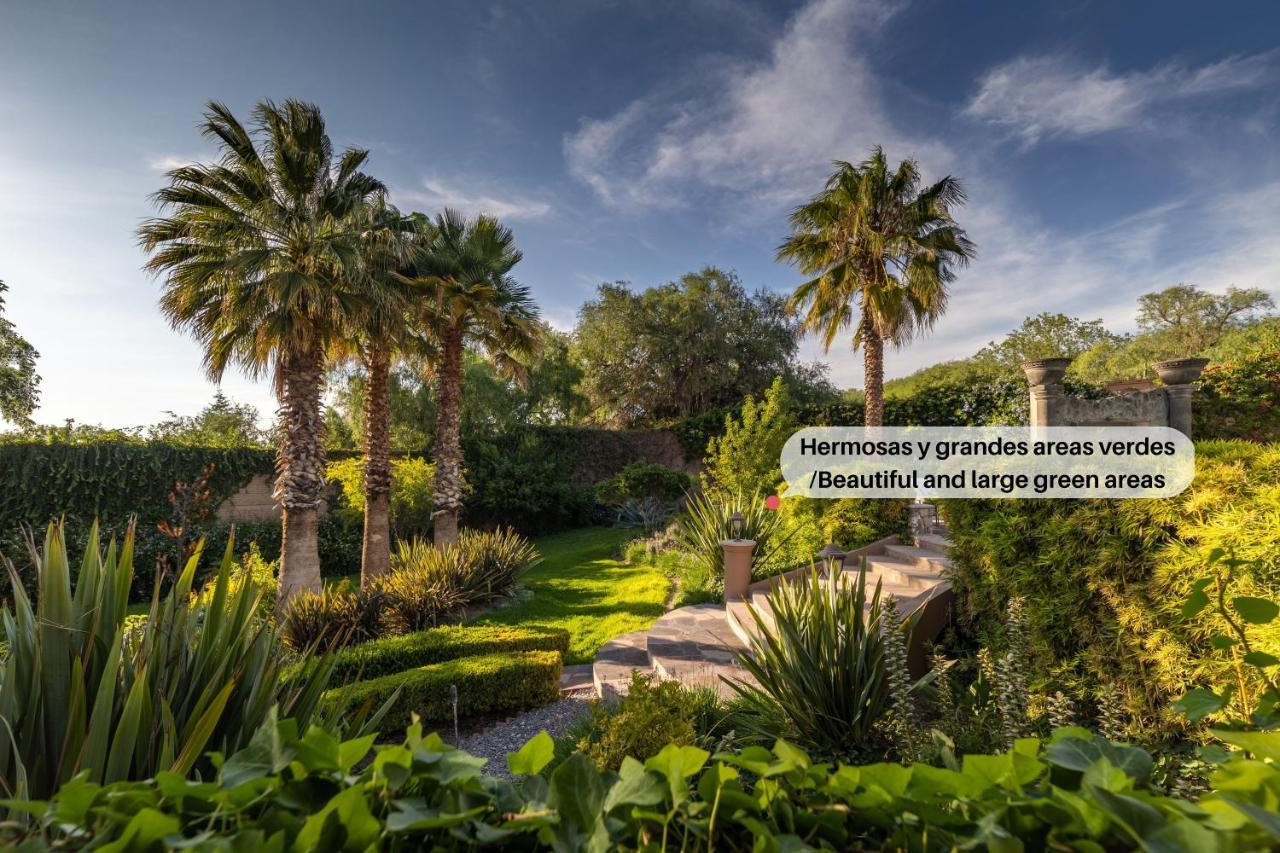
x: 19, y: 383
x: 222, y: 423
x: 1192, y: 320
x: 1043, y: 336
x: 683, y: 348
x: 260, y: 254
x: 465, y: 268
x: 873, y: 239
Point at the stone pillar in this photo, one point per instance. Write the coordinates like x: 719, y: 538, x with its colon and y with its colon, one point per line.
x: 1047, y: 396
x: 737, y: 567
x: 1178, y: 376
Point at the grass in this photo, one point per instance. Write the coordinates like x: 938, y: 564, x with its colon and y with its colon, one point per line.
x: 582, y: 587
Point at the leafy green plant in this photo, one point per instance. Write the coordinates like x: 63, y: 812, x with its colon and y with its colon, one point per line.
x: 411, y: 503
x: 652, y: 714
x: 819, y: 669
x: 641, y: 480
x: 250, y: 568
x: 80, y: 694
x: 308, y: 790
x: 1104, y: 582
x: 1255, y: 689
x: 486, y: 684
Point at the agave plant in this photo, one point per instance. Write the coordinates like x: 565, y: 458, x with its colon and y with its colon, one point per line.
x: 82, y: 692
x: 820, y: 668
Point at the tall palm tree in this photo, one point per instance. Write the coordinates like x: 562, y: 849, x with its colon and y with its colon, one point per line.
x: 261, y: 259
x: 384, y: 325
x: 874, y: 239
x: 465, y: 265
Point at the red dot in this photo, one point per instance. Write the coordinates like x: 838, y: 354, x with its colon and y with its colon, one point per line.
x: 772, y: 502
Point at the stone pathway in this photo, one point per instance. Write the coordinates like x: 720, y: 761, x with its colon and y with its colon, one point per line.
x: 555, y: 719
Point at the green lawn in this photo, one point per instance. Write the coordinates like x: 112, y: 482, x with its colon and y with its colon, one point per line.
x: 581, y: 586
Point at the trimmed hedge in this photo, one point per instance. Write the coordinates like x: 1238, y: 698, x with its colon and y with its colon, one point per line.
x: 486, y: 684
x: 390, y: 655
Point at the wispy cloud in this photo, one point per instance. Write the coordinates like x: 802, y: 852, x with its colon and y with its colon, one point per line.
x: 435, y: 194
x: 765, y: 131
x: 1040, y: 97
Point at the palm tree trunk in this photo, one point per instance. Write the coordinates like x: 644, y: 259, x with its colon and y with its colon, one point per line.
x: 873, y: 369
x: 447, y: 492
x: 300, y: 474
x: 375, y: 553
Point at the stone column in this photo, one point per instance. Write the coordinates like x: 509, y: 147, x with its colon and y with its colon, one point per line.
x: 1178, y: 376
x: 1047, y: 396
x: 737, y: 568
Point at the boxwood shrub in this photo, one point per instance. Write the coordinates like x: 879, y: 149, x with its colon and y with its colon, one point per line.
x: 486, y: 684
x: 390, y: 655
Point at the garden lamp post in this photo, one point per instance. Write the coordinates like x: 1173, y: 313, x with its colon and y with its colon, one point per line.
x: 737, y: 560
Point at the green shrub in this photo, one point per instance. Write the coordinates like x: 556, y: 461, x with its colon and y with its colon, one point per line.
x: 820, y: 671
x: 641, y: 480
x: 336, y: 616
x: 651, y: 715
x: 251, y: 568
x: 81, y: 691
x: 1240, y: 399
x: 1074, y: 791
x: 411, y: 492
x: 1104, y: 581
x: 427, y: 582
x: 852, y: 523
x: 389, y: 655
x: 487, y: 684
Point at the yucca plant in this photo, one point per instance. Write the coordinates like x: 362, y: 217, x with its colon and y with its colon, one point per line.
x: 708, y: 520
x: 79, y: 692
x: 820, y: 668
x: 336, y: 616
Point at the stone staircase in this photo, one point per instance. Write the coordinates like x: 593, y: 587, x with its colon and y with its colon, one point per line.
x: 699, y: 644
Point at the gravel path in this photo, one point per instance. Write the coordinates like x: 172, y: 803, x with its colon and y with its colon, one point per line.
x: 496, y: 741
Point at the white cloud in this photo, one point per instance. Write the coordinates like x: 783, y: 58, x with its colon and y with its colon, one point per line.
x: 1047, y: 96
x: 435, y: 194
x: 766, y: 131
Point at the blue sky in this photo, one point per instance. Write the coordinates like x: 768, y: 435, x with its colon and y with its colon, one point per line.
x: 1109, y: 149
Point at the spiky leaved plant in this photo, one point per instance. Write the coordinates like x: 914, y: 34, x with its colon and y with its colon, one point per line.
x: 901, y: 719
x: 1112, y: 723
x: 1061, y: 710
x: 819, y: 669
x: 81, y: 692
x: 946, y: 705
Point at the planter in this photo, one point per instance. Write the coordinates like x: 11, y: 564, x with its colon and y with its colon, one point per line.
x: 1046, y: 371
x: 737, y: 568
x: 1180, y: 371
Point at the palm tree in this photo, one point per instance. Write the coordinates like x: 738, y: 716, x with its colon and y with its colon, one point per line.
x: 262, y: 264
x: 383, y: 325
x: 873, y: 238
x: 465, y: 265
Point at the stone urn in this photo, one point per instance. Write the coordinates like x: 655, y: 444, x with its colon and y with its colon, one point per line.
x: 1046, y: 371
x: 1180, y: 371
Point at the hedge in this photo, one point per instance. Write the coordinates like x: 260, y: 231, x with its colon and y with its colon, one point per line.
x: 391, y: 655
x: 1104, y: 581
x: 486, y: 684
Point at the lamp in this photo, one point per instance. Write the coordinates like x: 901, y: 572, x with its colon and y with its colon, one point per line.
x: 737, y: 522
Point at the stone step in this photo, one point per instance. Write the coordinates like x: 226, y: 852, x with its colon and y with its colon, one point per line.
x: 616, y: 661
x: 922, y: 557
x: 934, y: 542
x: 901, y: 572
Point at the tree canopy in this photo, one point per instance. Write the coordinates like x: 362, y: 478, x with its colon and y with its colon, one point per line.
x: 700, y: 343
x: 19, y: 382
